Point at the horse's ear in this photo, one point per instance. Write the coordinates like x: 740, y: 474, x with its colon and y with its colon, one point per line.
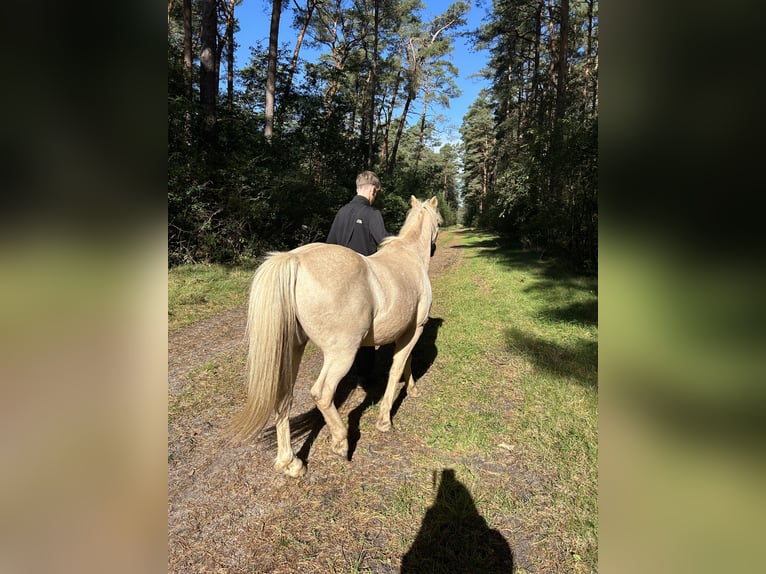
x: 414, y: 201
x: 433, y: 202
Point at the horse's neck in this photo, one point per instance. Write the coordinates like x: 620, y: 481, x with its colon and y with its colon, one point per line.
x: 419, y: 236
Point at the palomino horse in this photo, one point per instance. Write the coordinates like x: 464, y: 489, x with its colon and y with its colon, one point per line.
x: 340, y: 300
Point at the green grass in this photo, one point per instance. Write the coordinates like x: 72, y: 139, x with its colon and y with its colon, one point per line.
x: 517, y: 366
x: 196, y: 292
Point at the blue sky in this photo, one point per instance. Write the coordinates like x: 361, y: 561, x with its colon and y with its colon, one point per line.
x: 254, y: 17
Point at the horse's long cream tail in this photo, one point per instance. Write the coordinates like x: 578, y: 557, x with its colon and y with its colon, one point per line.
x: 271, y: 334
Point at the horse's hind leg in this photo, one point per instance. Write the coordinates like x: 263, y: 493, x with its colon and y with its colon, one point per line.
x: 407, y: 377
x: 336, y: 365
x: 286, y: 461
x: 404, y: 347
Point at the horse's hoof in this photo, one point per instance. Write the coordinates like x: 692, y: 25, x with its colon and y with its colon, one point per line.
x: 340, y: 448
x: 295, y: 468
x: 383, y: 425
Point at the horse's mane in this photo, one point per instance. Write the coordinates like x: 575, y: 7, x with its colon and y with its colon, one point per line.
x: 389, y: 239
x: 411, y: 221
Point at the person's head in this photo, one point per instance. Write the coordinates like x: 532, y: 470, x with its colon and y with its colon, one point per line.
x: 368, y: 185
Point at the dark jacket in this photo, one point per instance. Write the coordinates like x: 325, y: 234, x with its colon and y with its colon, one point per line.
x: 359, y: 226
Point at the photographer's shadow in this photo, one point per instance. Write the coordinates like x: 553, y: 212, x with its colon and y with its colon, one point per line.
x: 454, y: 537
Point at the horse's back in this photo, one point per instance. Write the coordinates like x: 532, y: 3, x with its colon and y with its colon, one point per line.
x: 345, y: 298
x: 331, y: 268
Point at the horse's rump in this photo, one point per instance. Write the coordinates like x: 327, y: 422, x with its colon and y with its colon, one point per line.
x: 335, y: 294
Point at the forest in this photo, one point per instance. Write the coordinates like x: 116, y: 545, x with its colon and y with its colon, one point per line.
x: 260, y: 157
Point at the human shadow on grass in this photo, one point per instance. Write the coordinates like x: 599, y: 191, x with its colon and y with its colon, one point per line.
x: 454, y: 537
x: 310, y: 423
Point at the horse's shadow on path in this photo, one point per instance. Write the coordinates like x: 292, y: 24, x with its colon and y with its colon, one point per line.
x: 310, y: 423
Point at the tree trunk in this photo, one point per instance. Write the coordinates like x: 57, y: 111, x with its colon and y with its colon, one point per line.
x: 340, y: 56
x: 329, y: 96
x: 360, y: 95
x: 373, y: 84
x: 553, y: 50
x: 590, y: 75
x: 561, y: 188
x: 521, y: 118
x: 562, y: 62
x: 208, y: 82
x: 170, y: 10
x: 399, y: 130
x: 310, y: 6
x: 188, y: 63
x: 422, y: 134
x: 230, y: 23
x: 271, y: 70
x: 536, y: 68
x: 389, y: 117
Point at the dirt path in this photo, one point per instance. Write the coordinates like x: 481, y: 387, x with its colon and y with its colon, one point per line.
x: 228, y: 511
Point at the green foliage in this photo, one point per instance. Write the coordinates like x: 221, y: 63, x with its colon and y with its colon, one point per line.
x: 531, y: 149
x: 449, y: 214
x: 394, y: 209
x: 478, y: 147
x: 522, y: 168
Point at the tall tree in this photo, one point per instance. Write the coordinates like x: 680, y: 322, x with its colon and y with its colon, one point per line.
x: 557, y: 137
x: 425, y: 49
x: 561, y: 60
x: 271, y: 71
x: 437, y: 70
x: 231, y: 24
x: 373, y: 82
x: 478, y: 137
x: 335, y: 28
x: 449, y: 165
x: 591, y: 65
x: 208, y: 81
x: 389, y: 114
x: 188, y: 66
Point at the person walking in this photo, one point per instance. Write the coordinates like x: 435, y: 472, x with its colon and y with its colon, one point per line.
x: 360, y: 227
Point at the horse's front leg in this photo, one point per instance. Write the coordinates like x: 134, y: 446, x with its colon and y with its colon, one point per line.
x: 404, y: 346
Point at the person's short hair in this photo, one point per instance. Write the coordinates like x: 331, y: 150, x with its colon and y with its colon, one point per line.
x: 367, y: 178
